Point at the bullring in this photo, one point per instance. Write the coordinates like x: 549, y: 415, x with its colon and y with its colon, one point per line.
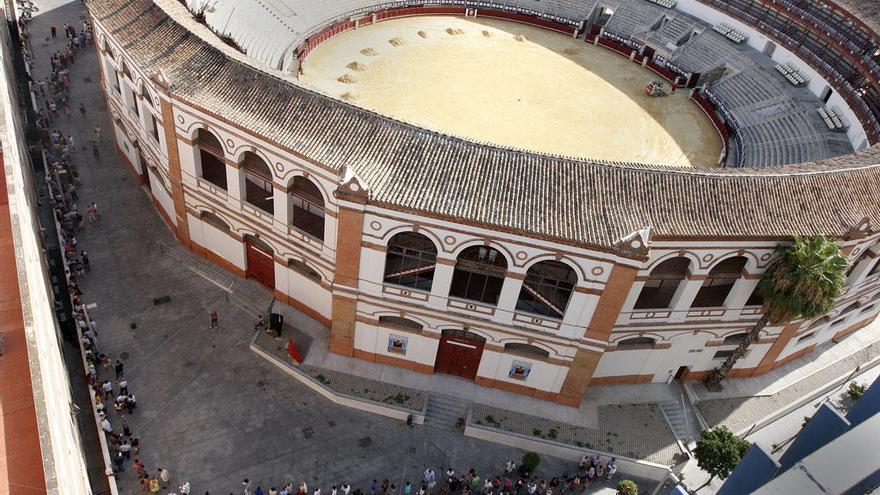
x: 530, y: 272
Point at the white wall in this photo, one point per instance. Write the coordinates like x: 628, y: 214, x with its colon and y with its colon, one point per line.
x: 304, y: 290
x: 543, y: 376
x: 218, y: 242
x: 374, y: 339
x: 165, y: 201
x: 127, y: 148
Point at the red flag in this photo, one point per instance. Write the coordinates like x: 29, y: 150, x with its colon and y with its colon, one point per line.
x: 291, y: 349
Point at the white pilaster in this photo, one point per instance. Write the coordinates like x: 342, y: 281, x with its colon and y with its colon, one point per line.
x: 441, y: 284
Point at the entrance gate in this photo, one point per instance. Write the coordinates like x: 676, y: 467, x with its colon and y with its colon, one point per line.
x: 459, y: 353
x: 260, y: 262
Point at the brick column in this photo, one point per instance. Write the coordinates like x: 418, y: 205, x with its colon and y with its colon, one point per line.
x: 604, y: 318
x: 768, y: 362
x: 174, y: 173
x: 350, y: 226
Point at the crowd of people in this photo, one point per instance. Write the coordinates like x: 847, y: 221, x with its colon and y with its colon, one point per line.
x: 511, y: 481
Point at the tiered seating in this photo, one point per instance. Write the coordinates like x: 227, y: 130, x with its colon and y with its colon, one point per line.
x: 707, y: 51
x: 792, y: 74
x: 833, y: 119
x: 664, y: 3
x: 633, y: 17
x: 671, y: 33
x: 730, y: 33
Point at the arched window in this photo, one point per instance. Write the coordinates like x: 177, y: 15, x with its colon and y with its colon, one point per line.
x: 214, y: 221
x: 304, y: 270
x: 735, y: 339
x: 400, y: 323
x: 258, y: 189
x: 307, y: 207
x: 528, y: 349
x: 662, y: 284
x: 719, y: 282
x: 410, y: 261
x: 756, y: 298
x: 479, y: 274
x: 637, y: 343
x: 547, y: 289
x: 212, y: 164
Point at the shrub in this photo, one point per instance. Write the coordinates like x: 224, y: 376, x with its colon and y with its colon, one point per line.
x: 856, y: 391
x: 627, y: 487
x: 530, y: 461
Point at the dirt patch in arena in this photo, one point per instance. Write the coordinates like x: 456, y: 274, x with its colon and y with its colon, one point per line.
x: 551, y: 94
x: 520, y: 38
x: 454, y: 31
x: 396, y: 42
x: 356, y: 66
x: 423, y: 34
x: 347, y: 79
x: 487, y: 34
x: 347, y: 96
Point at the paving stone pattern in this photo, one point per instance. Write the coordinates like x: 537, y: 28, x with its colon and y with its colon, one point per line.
x: 739, y: 413
x: 342, y: 383
x: 638, y: 431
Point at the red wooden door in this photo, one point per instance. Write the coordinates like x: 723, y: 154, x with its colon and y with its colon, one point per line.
x: 260, y: 265
x: 459, y: 356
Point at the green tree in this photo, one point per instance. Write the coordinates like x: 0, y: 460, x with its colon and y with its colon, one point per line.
x: 804, y: 282
x: 718, y: 451
x: 627, y: 487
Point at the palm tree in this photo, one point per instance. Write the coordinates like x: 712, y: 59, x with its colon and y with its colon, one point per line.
x: 804, y: 282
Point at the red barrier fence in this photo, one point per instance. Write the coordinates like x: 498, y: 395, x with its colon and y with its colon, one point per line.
x: 337, y: 28
x: 617, y: 47
x: 721, y: 127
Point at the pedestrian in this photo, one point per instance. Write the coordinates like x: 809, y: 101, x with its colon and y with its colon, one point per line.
x: 95, y: 152
x: 154, y: 485
x: 118, y: 368
x: 107, y: 387
x: 106, y: 426
x: 316, y: 492
x: 214, y: 323
x: 184, y: 488
x: 82, y: 109
x: 54, y: 32
x: 125, y: 449
x: 130, y: 403
x: 346, y: 489
x: 430, y: 479
x: 84, y: 258
x: 407, y: 488
x: 246, y: 487
x: 119, y: 461
x: 384, y: 486
x: 165, y: 476
x: 71, y: 142
x: 258, y: 491
x: 98, y: 133
x: 125, y: 428
x: 123, y: 387
x: 374, y: 487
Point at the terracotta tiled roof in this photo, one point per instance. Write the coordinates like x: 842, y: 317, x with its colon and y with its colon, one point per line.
x: 571, y: 200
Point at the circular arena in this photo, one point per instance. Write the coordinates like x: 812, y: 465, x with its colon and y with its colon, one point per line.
x: 427, y: 177
x: 513, y: 85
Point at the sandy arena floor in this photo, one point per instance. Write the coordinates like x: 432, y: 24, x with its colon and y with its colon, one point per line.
x: 514, y: 85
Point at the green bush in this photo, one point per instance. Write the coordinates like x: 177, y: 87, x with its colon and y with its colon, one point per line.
x: 627, y: 487
x: 856, y: 391
x: 530, y: 461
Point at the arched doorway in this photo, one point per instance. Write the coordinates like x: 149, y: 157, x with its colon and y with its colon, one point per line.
x: 260, y: 261
x: 459, y: 353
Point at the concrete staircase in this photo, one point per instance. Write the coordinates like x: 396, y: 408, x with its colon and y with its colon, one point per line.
x: 681, y: 418
x: 445, y: 411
